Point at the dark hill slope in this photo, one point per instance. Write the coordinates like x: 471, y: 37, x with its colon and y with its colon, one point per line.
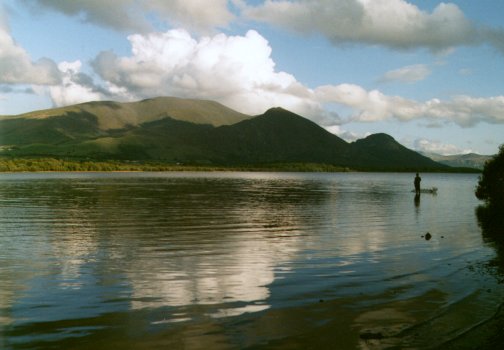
x: 95, y: 129
x: 55, y: 130
x: 278, y: 136
x: 382, y: 151
x: 191, y: 136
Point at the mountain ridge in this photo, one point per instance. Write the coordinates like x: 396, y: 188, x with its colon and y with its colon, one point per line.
x: 189, y: 131
x: 116, y: 115
x: 471, y: 160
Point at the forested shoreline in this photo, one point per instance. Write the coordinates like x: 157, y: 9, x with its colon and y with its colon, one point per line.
x: 8, y: 164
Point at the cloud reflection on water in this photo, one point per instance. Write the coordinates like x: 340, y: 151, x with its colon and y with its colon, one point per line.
x: 162, y: 242
x: 160, y: 250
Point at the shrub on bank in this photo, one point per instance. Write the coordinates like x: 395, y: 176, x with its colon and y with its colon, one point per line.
x: 491, y: 182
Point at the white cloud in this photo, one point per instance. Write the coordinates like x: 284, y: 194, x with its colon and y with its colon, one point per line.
x: 136, y: 15
x: 17, y: 66
x: 199, y: 15
x: 372, y: 106
x: 466, y: 110
x: 72, y: 90
x: 435, y: 146
x: 391, y: 23
x: 368, y: 106
x: 395, y: 24
x: 237, y: 71
x: 408, y: 74
x: 117, y: 14
x: 346, y: 135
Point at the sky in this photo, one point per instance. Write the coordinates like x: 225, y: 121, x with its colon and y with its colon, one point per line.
x: 428, y: 73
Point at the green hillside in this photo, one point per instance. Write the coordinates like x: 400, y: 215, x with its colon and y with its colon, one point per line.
x: 278, y: 136
x: 381, y: 151
x: 115, y: 115
x: 175, y: 131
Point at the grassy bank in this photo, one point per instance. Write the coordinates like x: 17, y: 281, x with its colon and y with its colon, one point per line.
x: 54, y: 164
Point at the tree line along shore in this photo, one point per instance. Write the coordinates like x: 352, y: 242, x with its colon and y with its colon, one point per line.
x: 63, y: 165
x: 8, y: 164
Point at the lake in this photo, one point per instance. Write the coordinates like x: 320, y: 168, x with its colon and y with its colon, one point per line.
x: 241, y: 261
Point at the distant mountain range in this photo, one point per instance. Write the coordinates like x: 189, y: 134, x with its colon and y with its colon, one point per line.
x: 188, y: 131
x: 470, y: 160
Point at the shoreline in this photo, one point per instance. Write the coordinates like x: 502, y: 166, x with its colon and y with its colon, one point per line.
x: 224, y: 170
x: 30, y: 165
x: 487, y: 335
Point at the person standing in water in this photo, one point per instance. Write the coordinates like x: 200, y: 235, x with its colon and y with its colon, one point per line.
x: 417, y: 181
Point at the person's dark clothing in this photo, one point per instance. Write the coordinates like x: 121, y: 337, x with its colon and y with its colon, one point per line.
x: 417, y: 183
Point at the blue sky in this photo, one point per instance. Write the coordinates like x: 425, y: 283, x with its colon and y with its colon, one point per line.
x: 430, y: 74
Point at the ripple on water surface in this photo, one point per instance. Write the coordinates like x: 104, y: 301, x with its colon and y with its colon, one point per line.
x: 239, y: 259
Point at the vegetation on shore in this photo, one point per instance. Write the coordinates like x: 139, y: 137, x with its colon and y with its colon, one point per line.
x: 490, y: 189
x: 8, y: 164
x: 491, y: 183
x: 53, y: 164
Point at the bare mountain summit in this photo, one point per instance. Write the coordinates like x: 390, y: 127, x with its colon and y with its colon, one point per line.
x: 117, y: 115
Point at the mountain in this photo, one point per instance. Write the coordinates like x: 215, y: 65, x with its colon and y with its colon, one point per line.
x: 115, y: 115
x: 470, y: 160
x: 95, y: 129
x: 173, y: 130
x: 279, y: 136
x: 382, y: 151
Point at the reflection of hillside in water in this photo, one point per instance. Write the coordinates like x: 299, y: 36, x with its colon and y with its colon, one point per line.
x: 159, y: 241
x: 134, y: 253
x: 224, y: 248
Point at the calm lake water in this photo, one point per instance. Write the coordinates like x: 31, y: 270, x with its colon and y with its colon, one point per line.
x: 240, y: 260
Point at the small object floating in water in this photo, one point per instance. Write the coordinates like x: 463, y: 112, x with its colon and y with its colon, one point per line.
x: 432, y: 190
x: 427, y: 236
